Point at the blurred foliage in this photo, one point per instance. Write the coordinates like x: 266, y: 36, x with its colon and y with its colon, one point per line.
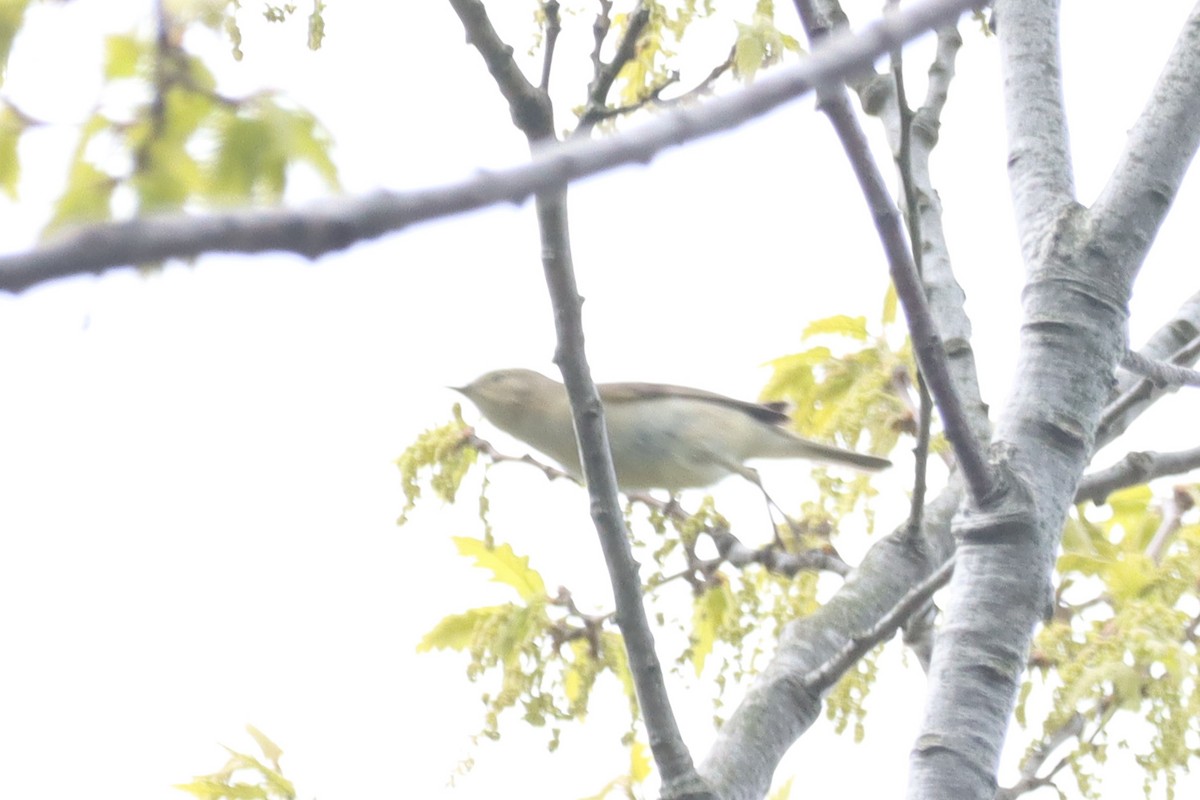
x: 161, y: 136
x: 12, y: 16
x: 760, y: 43
x: 245, y: 777
x: 1123, y: 640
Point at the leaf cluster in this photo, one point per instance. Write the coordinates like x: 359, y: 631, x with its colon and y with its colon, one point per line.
x: 245, y: 777
x: 1123, y: 640
x: 440, y: 457
x: 546, y: 663
x: 760, y: 43
x: 847, y: 389
x: 162, y: 137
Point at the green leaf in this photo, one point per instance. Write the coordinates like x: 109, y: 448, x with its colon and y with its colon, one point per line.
x: 804, y: 360
x: 1083, y: 564
x: 505, y: 565
x: 168, y: 176
x: 749, y: 51
x: 247, y: 156
x: 307, y: 141
x: 1075, y: 538
x: 1128, y: 577
x: 708, y: 615
x: 121, y: 56
x: 839, y: 325
x: 784, y: 792
x: 12, y: 17
x: 256, y: 147
x: 269, y: 749
x: 639, y: 761
x: 213, y: 789
x: 890, y: 302
x: 1132, y: 501
x: 612, y: 653
x: 87, y: 197
x: 459, y: 631
x: 573, y: 684
x: 11, y: 127
x: 1125, y: 680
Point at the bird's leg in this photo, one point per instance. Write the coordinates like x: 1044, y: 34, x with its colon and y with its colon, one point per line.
x: 672, y: 507
x: 752, y: 475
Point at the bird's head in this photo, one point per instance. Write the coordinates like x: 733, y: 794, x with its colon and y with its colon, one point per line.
x: 506, y: 395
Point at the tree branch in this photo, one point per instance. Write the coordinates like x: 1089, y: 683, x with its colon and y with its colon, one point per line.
x: 336, y: 224
x: 1030, y: 780
x: 1173, y: 509
x: 779, y: 707
x: 529, y: 105
x: 1120, y: 412
x: 771, y: 557
x: 1075, y: 305
x: 775, y: 713
x: 927, y: 343
x: 1039, y: 161
x: 553, y: 28
x: 1134, y: 395
x: 607, y: 73
x: 825, y: 676
x: 1133, y: 470
x: 877, y: 94
x: 1161, y: 145
x: 1161, y: 373
x: 533, y: 113
x: 904, y: 164
x: 679, y: 776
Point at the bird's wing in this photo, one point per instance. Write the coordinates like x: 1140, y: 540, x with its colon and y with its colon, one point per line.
x: 771, y: 413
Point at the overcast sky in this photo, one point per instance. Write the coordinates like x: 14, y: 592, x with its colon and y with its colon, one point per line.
x: 197, y: 529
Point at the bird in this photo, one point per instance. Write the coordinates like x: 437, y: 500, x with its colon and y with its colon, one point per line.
x: 661, y: 436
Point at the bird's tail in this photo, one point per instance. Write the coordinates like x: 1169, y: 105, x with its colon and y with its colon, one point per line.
x: 831, y: 454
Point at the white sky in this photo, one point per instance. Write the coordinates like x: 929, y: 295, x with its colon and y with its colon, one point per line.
x: 197, y: 528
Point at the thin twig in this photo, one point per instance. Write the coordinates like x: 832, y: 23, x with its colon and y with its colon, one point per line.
x: 1173, y: 509
x: 1161, y: 373
x: 771, y: 556
x: 1142, y: 390
x: 654, y: 97
x: 553, y: 28
x: 600, y: 28
x: 1029, y: 779
x: 912, y: 218
x: 606, y: 73
x: 484, y: 447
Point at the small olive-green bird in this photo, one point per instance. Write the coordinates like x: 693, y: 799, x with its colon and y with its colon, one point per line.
x: 661, y: 436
